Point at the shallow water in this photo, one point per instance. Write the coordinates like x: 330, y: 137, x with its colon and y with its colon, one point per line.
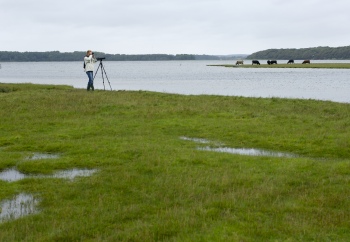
x: 246, y: 151
x: 239, y: 151
x: 11, y: 175
x: 21, y: 205
x: 197, y: 140
x: 71, y: 174
x: 38, y: 156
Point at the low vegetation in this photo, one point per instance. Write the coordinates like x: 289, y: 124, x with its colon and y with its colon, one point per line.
x: 296, y: 65
x: 153, y: 186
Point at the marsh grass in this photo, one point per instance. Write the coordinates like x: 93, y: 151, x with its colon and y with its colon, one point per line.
x: 296, y: 65
x: 154, y: 186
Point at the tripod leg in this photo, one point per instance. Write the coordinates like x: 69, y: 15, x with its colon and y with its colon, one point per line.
x: 97, y: 70
x: 103, y: 70
x: 103, y: 79
x: 92, y: 84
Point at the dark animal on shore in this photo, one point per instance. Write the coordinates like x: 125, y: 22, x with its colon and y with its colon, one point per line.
x: 255, y: 62
x: 240, y: 62
x: 273, y: 62
x: 290, y: 62
x: 306, y: 62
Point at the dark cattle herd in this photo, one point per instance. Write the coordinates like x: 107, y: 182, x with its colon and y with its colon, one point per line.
x: 271, y: 62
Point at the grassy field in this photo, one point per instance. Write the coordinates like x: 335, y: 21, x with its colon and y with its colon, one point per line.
x: 296, y: 65
x: 153, y: 186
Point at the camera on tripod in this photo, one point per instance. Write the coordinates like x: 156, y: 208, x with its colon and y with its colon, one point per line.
x: 103, y: 71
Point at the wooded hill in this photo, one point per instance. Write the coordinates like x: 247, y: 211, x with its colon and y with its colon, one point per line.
x: 13, y: 56
x: 315, y: 53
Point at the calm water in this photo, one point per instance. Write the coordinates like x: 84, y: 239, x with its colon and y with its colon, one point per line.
x: 21, y: 205
x: 11, y: 175
x: 239, y: 151
x: 190, y: 77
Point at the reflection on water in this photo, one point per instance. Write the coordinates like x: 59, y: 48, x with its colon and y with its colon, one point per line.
x: 197, y: 140
x: 11, y: 175
x: 21, y: 205
x: 25, y: 204
x: 239, y: 151
x: 245, y: 151
x: 71, y: 174
x: 201, y: 141
x: 39, y: 156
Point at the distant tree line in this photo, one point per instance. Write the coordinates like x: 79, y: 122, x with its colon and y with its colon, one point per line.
x: 149, y: 57
x: 40, y: 56
x: 13, y: 56
x: 316, y: 53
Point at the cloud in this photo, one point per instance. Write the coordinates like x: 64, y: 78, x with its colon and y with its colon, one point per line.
x: 172, y: 26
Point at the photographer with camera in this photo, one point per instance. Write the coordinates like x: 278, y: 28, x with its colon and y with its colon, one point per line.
x: 89, y: 61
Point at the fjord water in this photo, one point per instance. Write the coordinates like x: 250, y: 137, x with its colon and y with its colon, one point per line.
x: 191, y: 77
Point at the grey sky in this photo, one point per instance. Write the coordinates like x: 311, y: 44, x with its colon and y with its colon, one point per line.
x: 172, y: 26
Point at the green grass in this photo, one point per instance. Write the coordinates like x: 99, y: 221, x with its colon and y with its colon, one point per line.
x: 296, y: 65
x: 153, y: 186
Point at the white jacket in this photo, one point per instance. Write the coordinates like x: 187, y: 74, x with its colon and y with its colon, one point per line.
x: 89, y: 63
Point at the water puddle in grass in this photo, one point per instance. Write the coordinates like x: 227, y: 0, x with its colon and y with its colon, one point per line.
x: 25, y: 204
x: 250, y: 152
x: 238, y: 151
x: 201, y: 141
x: 20, y: 206
x: 11, y: 175
x: 197, y: 140
x: 71, y: 174
x: 39, y: 156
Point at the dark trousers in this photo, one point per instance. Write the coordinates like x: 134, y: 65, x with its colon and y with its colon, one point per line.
x: 91, y: 80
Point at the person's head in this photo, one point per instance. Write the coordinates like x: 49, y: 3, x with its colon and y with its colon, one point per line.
x: 89, y: 52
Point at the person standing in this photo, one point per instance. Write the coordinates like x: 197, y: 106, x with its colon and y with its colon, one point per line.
x: 89, y: 61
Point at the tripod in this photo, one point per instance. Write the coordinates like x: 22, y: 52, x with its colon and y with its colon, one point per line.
x: 102, y: 71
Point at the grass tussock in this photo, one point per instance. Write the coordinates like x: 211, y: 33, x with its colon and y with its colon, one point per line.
x: 154, y: 186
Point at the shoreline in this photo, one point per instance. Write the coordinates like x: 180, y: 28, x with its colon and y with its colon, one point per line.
x: 13, y: 87
x: 297, y: 65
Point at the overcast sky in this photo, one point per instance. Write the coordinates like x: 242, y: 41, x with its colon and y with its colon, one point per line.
x: 172, y: 26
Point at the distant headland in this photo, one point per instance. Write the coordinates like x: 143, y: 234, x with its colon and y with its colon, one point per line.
x: 313, y: 53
